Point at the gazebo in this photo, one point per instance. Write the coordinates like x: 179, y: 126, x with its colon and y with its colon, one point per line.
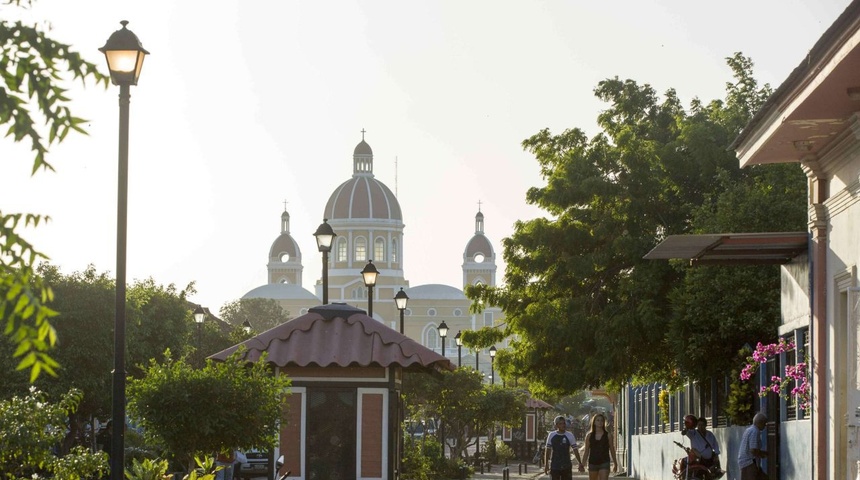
x: 525, y: 438
x: 344, y: 408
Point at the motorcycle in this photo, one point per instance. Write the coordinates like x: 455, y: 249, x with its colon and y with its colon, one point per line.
x: 688, y: 468
x: 280, y: 463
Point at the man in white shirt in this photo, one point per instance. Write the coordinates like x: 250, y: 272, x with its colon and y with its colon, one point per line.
x: 703, y: 443
x: 557, y: 457
x: 750, y: 448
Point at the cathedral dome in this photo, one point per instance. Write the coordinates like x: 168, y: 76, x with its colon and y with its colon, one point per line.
x: 362, y: 149
x: 285, y: 244
x: 479, y: 244
x: 281, y: 291
x: 363, y: 197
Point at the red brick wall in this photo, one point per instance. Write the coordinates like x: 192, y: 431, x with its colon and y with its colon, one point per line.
x: 291, y: 435
x: 371, y: 435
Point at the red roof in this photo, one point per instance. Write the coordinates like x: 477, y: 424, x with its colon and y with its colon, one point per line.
x: 337, y: 335
x: 536, y: 403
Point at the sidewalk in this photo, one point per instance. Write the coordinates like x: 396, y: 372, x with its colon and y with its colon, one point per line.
x: 530, y: 472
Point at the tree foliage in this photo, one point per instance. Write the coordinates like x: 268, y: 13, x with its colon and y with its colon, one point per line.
x: 30, y: 428
x: 261, y: 313
x: 223, y: 406
x: 157, y: 318
x: 582, y: 304
x: 36, y: 71
x: 463, y: 404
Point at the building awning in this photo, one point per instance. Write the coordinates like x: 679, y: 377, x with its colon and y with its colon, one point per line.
x: 772, y: 248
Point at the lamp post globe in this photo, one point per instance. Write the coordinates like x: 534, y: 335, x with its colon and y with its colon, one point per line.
x: 369, y: 273
x: 199, y: 316
x: 492, y: 365
x: 124, y: 55
x: 443, y: 332
x: 400, y: 300
x: 325, y: 237
x: 246, y: 326
x: 459, y: 341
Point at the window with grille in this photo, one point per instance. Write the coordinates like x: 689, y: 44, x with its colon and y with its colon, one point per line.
x: 341, y: 249
x: 379, y: 250
x: 360, y: 249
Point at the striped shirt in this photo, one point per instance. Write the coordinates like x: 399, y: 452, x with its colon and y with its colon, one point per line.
x: 750, y: 440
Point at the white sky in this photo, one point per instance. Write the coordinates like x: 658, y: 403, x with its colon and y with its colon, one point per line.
x: 244, y: 104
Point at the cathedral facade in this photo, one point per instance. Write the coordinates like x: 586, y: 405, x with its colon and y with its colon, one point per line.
x: 366, y: 217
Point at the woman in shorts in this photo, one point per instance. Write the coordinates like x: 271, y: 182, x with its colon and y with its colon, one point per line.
x: 599, y: 450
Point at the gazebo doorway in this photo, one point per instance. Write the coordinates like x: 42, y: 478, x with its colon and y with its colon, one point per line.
x: 331, y: 445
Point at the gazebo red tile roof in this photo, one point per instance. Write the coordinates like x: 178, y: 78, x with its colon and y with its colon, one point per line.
x: 337, y: 335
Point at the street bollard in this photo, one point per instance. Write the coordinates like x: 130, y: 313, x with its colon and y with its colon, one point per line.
x: 506, y: 473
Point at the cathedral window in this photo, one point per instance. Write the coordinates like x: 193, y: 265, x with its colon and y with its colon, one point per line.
x: 488, y: 319
x: 360, y: 249
x: 458, y: 312
x: 394, y: 251
x: 379, y: 250
x: 285, y: 257
x: 341, y: 249
x: 431, y: 312
x: 431, y: 337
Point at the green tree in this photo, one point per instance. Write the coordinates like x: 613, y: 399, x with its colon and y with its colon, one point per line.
x: 158, y: 317
x: 463, y: 404
x: 577, y: 290
x: 197, y: 412
x: 31, y: 427
x: 261, y: 313
x: 36, y: 71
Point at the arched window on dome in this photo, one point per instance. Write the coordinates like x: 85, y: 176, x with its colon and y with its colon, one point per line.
x: 431, y: 337
x: 360, y: 250
x: 341, y: 249
x: 284, y: 280
x: 379, y: 250
x: 394, y: 251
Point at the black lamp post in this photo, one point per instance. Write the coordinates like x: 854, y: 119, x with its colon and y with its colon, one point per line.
x: 199, y: 316
x: 246, y: 326
x: 124, y: 55
x: 492, y: 365
x: 477, y: 357
x: 369, y: 273
x: 443, y: 332
x: 459, y: 342
x: 325, y: 236
x: 400, y: 300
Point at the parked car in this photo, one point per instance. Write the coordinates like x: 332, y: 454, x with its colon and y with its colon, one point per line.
x: 256, y: 466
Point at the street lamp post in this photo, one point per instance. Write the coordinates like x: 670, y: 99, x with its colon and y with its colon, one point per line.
x: 400, y: 300
x: 459, y: 342
x: 443, y: 332
x: 124, y: 55
x: 477, y: 357
x: 325, y: 236
x: 369, y: 273
x: 492, y: 365
x: 199, y: 317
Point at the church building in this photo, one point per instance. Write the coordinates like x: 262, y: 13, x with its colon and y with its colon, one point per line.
x: 367, y: 219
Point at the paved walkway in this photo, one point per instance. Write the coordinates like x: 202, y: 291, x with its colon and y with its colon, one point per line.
x: 531, y: 472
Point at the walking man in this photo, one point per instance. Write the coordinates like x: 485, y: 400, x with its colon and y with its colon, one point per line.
x: 751, y: 449
x: 557, y: 461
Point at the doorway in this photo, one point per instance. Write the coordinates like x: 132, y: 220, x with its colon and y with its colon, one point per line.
x: 331, y: 444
